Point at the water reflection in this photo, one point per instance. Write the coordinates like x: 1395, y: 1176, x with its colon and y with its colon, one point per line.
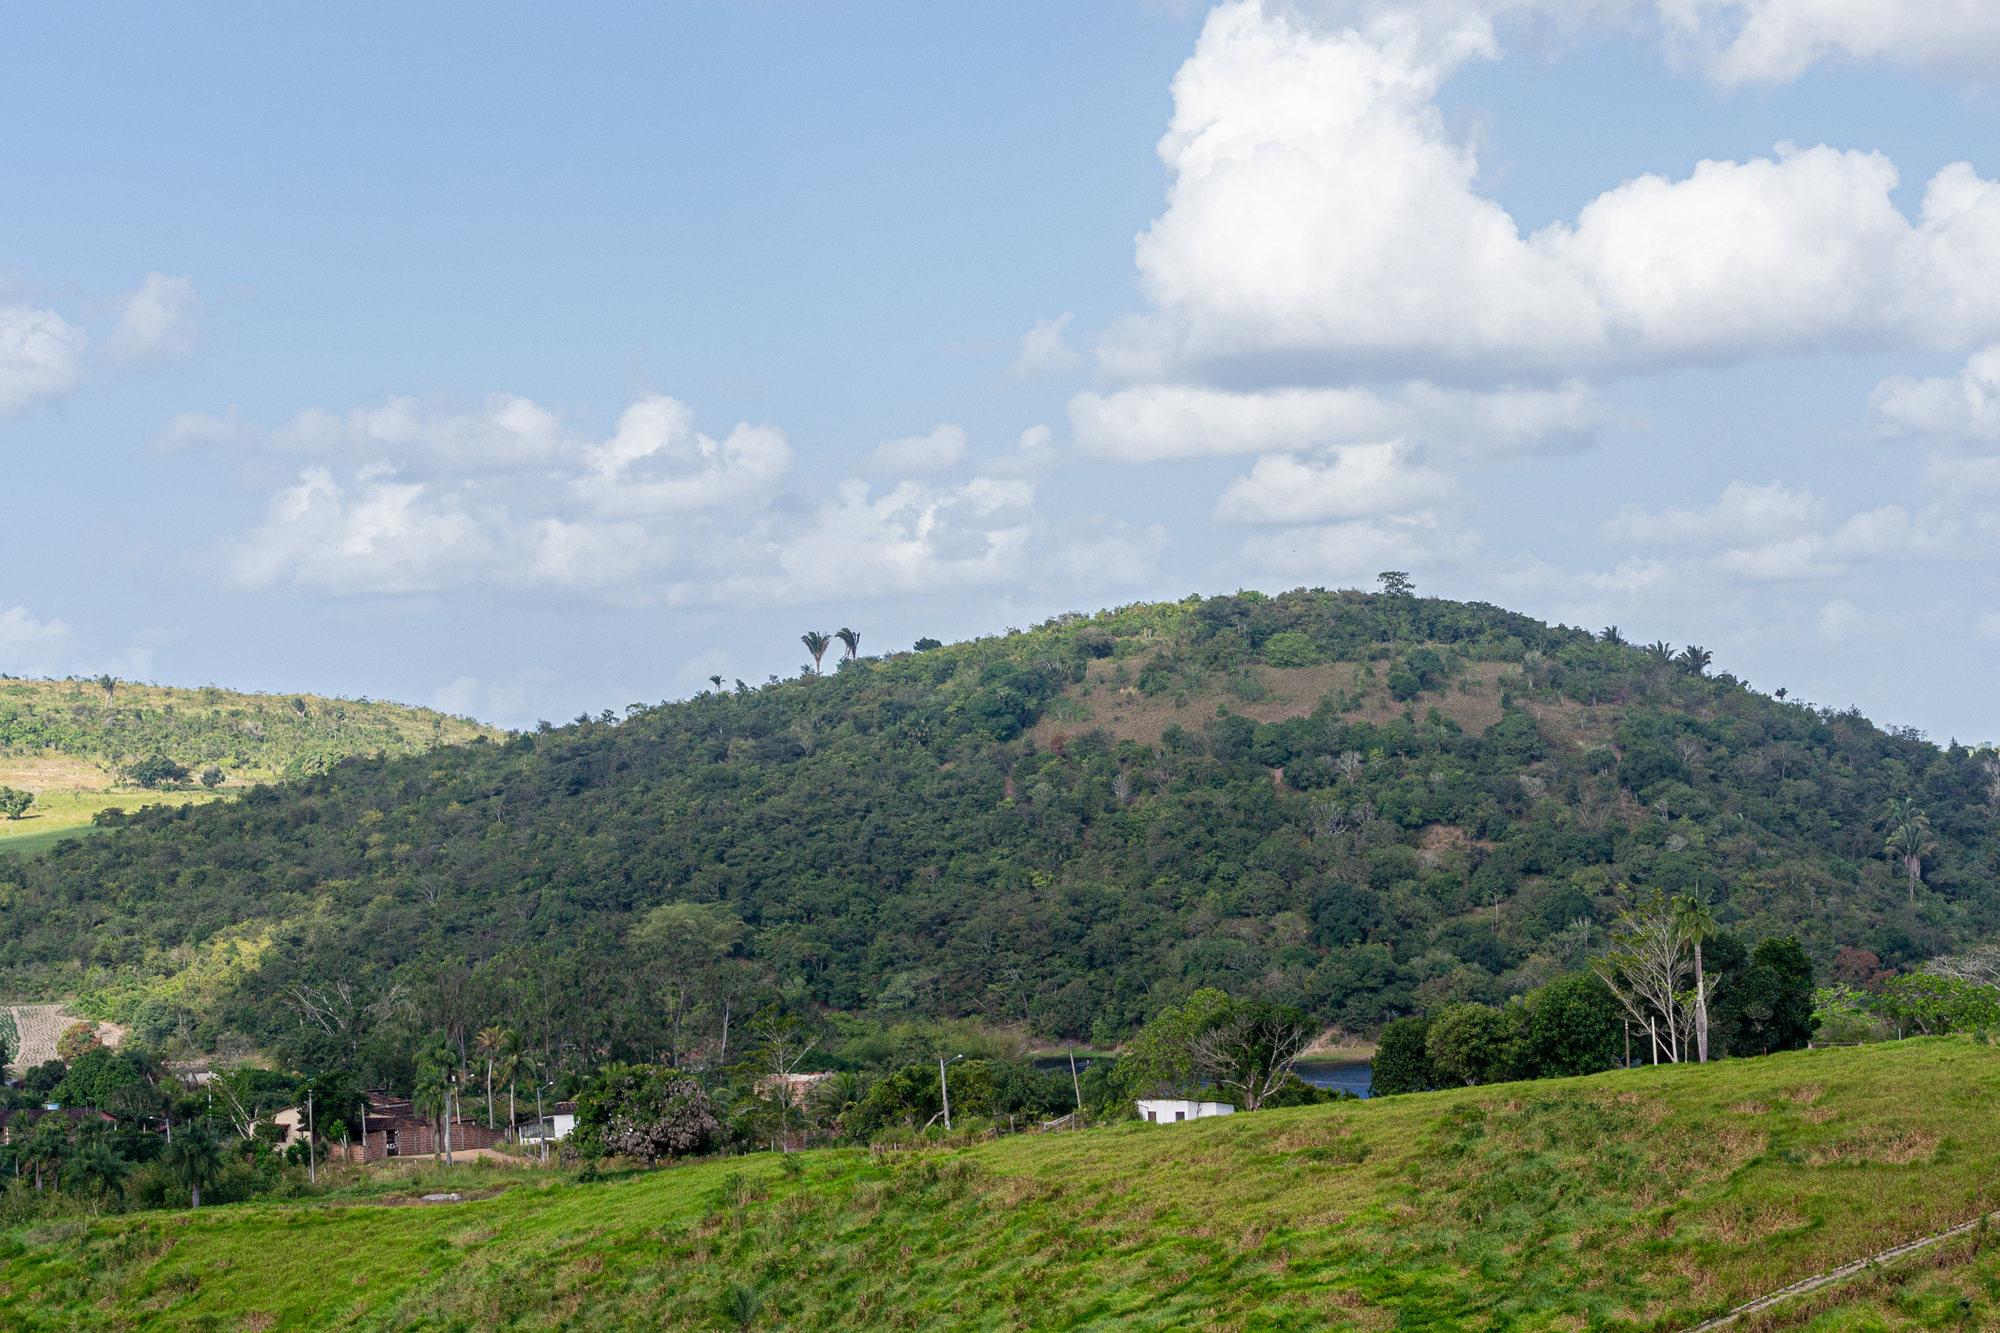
x: 1347, y: 1075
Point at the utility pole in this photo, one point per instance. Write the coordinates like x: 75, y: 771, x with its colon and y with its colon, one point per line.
x: 945, y: 1089
x: 1074, y: 1086
x: 312, y: 1158
x: 542, y: 1120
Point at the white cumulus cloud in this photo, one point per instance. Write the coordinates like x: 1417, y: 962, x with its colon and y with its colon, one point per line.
x: 413, y: 498
x: 156, y: 323
x: 32, y: 647
x: 1322, y: 221
x: 1044, y: 352
x: 41, y: 356
x: 1775, y: 41
x: 1156, y: 422
x: 1962, y: 406
x: 1354, y: 482
x: 919, y: 455
x: 1769, y: 534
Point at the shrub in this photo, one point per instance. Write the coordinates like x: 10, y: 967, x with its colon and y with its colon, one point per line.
x: 1402, y: 1059
x: 1573, y: 1026
x: 1470, y: 1044
x: 157, y: 771
x: 645, y: 1111
x: 1290, y: 649
x: 75, y: 1040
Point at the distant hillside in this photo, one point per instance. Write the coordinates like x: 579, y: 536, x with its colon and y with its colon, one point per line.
x: 84, y: 746
x: 1651, y: 1198
x: 247, y: 735
x: 1366, y: 805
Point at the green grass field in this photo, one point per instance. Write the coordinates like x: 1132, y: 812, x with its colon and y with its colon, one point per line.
x: 67, y: 814
x: 37, y: 840
x: 1643, y: 1199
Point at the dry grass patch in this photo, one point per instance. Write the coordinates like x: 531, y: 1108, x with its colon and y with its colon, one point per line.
x: 1805, y: 1094
x: 1312, y: 1134
x: 1749, y: 1108
x: 1743, y: 1225
x: 1878, y: 1143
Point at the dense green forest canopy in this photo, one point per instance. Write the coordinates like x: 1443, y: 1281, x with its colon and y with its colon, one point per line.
x: 890, y: 838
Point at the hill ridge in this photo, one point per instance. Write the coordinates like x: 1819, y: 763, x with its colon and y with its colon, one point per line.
x: 967, y: 832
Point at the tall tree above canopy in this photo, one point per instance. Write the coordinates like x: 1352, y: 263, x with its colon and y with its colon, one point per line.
x: 1697, y: 924
x: 1909, y: 838
x: 816, y: 643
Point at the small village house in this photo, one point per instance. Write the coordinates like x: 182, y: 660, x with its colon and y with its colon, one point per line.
x: 1173, y: 1110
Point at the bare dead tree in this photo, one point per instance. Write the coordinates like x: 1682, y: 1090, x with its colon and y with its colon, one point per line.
x: 1979, y: 965
x: 1252, y: 1051
x: 1647, y: 968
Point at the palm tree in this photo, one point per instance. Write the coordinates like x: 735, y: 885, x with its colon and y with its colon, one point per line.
x: 717, y: 682
x: 1695, y: 659
x: 513, y: 1058
x: 47, y: 1149
x: 1612, y: 637
x: 99, y: 1170
x: 1661, y: 652
x: 108, y: 683
x: 433, y: 1096
x: 489, y: 1043
x: 816, y: 644
x: 195, y: 1158
x: 1909, y: 838
x: 1697, y: 923
x: 852, y: 638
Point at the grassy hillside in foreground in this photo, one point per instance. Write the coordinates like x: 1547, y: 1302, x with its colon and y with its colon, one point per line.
x: 1648, y: 1198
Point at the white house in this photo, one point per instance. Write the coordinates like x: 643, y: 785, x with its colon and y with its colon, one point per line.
x: 1172, y: 1110
x: 561, y: 1120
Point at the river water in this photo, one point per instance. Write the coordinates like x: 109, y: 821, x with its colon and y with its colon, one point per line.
x: 1349, y: 1075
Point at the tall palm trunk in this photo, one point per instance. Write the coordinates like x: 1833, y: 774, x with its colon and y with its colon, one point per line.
x: 1700, y: 1006
x: 489, y: 1092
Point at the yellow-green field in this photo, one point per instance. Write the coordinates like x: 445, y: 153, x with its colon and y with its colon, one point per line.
x: 67, y: 814
x: 71, y: 744
x: 1649, y: 1199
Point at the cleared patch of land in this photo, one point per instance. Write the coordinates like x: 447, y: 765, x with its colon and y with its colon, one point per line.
x: 1358, y: 690
x: 1631, y: 1199
x: 37, y: 1027
x: 62, y: 814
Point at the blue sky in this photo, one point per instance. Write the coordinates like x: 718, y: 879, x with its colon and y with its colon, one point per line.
x: 532, y: 363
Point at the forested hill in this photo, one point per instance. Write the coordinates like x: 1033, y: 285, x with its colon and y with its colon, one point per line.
x: 1362, y: 804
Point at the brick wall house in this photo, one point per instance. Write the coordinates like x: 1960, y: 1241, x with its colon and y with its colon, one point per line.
x: 391, y: 1127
